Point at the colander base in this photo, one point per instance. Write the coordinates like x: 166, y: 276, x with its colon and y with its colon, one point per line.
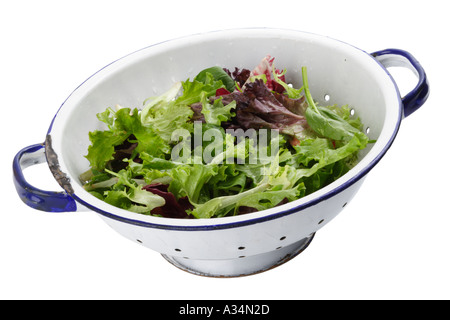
x: 243, y: 265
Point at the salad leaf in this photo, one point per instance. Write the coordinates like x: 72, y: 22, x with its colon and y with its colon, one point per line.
x: 297, y: 106
x: 266, y: 200
x: 147, y: 139
x: 217, y: 112
x: 275, y: 186
x: 172, y: 208
x: 265, y: 70
x: 233, y: 182
x: 193, y: 90
x: 219, y: 74
x: 221, y: 206
x: 261, y: 109
x: 153, y: 104
x: 132, y: 198
x: 188, y: 180
x: 126, y: 124
x: 328, y: 123
x: 164, y: 115
x: 234, y: 152
x: 170, y: 118
x: 321, y: 153
x: 102, y: 146
x: 291, y: 92
x: 240, y: 76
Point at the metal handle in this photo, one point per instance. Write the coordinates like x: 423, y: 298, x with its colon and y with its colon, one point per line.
x: 50, y: 201
x: 400, y: 58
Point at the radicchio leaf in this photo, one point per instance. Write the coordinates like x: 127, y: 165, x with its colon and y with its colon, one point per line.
x: 266, y: 68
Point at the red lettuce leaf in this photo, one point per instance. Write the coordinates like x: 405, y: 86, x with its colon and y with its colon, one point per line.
x: 239, y: 75
x: 172, y: 208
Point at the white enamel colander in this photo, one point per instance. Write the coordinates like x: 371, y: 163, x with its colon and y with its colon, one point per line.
x: 241, y: 245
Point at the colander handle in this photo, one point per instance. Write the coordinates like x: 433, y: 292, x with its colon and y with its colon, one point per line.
x: 50, y: 201
x: 400, y: 58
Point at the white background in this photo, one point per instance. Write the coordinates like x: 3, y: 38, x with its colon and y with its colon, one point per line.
x: 391, y: 242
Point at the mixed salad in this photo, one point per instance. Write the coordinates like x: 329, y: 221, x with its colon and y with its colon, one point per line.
x: 224, y: 143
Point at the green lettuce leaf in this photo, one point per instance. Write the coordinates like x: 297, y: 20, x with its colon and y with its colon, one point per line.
x: 188, y: 180
x: 122, y: 124
x: 328, y: 123
x: 217, y: 112
x: 169, y: 118
x: 148, y: 140
x: 194, y: 90
x: 314, y: 154
x: 102, y: 146
x: 219, y: 75
x: 126, y: 194
x: 153, y: 104
x: 277, y: 183
x: 164, y: 115
x: 220, y: 206
x: 291, y: 92
x: 267, y: 199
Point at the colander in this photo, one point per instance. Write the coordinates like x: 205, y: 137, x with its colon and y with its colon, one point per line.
x: 240, y: 245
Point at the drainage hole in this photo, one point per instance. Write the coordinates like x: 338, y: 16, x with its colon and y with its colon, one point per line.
x: 352, y: 112
x: 240, y: 257
x: 327, y: 97
x: 140, y: 241
x: 344, y: 205
x: 367, y: 130
x: 178, y: 250
x: 241, y: 248
x: 282, y: 238
x: 321, y: 221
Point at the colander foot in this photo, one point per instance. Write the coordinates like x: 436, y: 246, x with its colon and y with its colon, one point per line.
x: 241, y: 266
